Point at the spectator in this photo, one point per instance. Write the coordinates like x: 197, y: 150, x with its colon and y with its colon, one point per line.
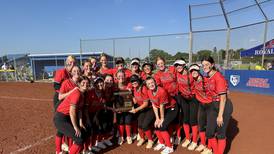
x: 4, y: 66
x: 269, y: 66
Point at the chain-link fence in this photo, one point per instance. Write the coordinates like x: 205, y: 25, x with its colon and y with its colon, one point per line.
x: 221, y: 29
x: 224, y: 28
x: 15, y: 67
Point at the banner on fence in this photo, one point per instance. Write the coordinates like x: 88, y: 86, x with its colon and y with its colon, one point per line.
x: 261, y: 82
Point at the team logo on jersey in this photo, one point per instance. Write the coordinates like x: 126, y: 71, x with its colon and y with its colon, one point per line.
x: 234, y: 80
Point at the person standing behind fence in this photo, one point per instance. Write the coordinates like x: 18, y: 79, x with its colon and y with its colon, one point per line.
x: 68, y: 117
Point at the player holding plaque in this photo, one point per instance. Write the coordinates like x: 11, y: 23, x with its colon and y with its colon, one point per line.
x: 124, y: 119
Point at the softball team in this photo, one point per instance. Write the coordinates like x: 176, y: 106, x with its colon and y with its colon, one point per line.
x: 172, y: 98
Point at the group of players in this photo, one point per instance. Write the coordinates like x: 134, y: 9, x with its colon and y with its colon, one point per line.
x: 189, y: 97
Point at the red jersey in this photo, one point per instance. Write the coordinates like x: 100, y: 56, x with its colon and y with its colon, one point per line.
x: 95, y: 102
x: 201, y: 91
x: 115, y: 70
x: 141, y: 95
x: 144, y: 76
x: 185, y: 85
x: 75, y: 98
x: 161, y: 97
x: 61, y: 75
x: 167, y: 80
x: 217, y: 85
x: 67, y: 86
x: 105, y: 71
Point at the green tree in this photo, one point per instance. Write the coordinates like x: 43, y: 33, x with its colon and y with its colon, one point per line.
x: 154, y: 53
x: 181, y: 55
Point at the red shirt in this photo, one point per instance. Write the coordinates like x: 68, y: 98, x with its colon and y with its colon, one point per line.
x: 161, y: 97
x: 167, y: 80
x: 61, y: 75
x: 141, y: 95
x: 144, y: 76
x: 185, y: 85
x: 95, y: 102
x: 75, y: 98
x: 105, y: 71
x: 217, y: 85
x: 201, y: 91
x: 67, y: 86
x: 115, y: 70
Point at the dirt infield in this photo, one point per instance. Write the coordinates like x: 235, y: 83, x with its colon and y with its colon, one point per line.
x: 26, y: 122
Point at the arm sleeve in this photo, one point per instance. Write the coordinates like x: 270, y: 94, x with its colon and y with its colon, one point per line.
x: 221, y: 85
x: 58, y: 76
x: 75, y: 98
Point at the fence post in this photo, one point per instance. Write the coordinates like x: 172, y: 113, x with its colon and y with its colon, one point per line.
x: 81, y: 52
x: 226, y: 61
x: 190, y: 36
x: 113, y: 48
x: 149, y: 47
x: 15, y: 70
x: 190, y: 47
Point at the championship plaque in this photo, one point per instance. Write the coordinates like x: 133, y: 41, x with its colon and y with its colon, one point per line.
x: 123, y: 100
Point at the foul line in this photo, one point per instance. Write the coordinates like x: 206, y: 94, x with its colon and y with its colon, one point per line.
x: 25, y: 98
x: 32, y: 145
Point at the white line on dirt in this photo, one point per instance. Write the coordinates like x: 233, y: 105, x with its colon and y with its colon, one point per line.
x: 25, y: 98
x: 32, y: 145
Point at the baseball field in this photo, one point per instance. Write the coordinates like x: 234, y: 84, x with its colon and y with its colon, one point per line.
x: 26, y: 126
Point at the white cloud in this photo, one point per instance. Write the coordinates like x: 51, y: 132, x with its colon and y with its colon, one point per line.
x: 253, y: 40
x: 138, y: 28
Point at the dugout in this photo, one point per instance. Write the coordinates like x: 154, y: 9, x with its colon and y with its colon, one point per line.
x: 44, y: 65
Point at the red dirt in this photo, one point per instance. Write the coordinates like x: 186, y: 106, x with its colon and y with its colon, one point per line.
x: 26, y: 121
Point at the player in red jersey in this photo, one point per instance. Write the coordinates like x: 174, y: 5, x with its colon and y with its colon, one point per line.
x: 60, y: 76
x: 188, y: 104
x: 143, y: 110
x: 165, y: 109
x: 221, y: 108
x: 67, y: 87
x: 87, y: 69
x: 120, y: 65
x: 104, y: 65
x: 68, y: 117
x: 166, y: 77
x: 70, y: 84
x: 135, y: 66
x: 202, y: 95
x: 147, y: 69
x: 124, y: 119
x: 97, y: 106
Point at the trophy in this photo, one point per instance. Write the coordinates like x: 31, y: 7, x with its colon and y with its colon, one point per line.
x: 123, y: 101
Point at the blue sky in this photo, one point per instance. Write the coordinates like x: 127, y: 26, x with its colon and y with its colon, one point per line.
x: 46, y: 26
